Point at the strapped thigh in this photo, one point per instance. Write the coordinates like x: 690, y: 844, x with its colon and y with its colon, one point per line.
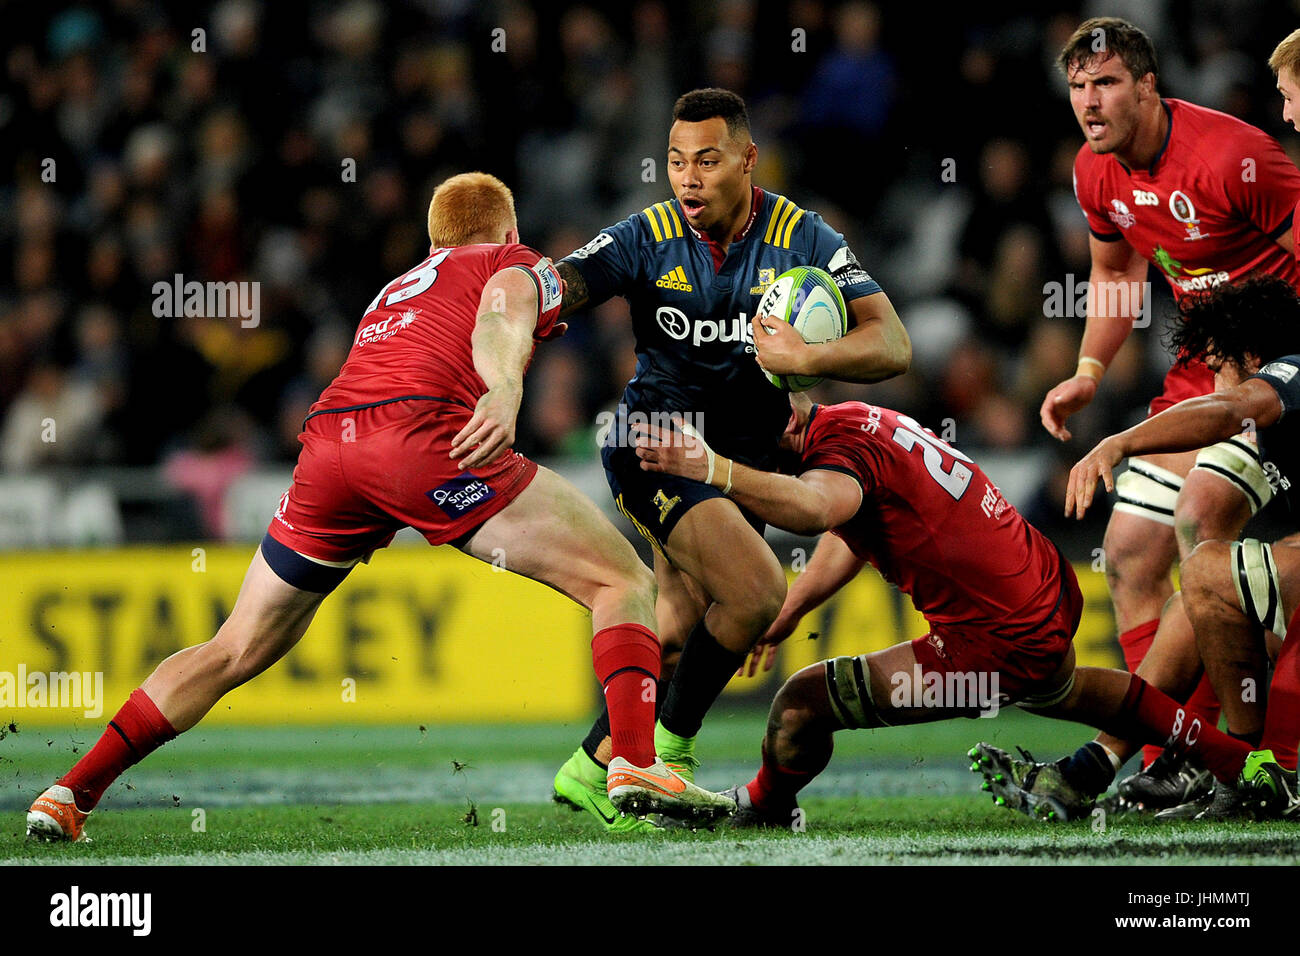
x: 1237, y: 462
x: 1148, y: 491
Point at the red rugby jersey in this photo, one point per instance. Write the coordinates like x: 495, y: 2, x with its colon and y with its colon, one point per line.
x: 933, y: 524
x: 1209, y: 209
x: 414, y: 339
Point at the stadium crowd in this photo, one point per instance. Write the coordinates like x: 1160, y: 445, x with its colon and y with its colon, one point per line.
x: 296, y: 145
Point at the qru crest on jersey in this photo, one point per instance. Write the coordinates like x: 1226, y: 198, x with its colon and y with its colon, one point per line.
x: 1181, y: 208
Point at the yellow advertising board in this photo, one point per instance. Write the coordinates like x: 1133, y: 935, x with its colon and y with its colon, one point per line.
x: 420, y: 635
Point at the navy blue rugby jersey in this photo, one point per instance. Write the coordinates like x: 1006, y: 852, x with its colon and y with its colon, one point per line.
x: 691, y: 309
x: 1279, y: 444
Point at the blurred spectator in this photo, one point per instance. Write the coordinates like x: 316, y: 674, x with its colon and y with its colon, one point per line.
x: 846, y: 109
x: 53, y: 420
x: 220, y: 453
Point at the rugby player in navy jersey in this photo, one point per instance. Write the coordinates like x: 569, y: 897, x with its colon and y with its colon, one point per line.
x: 693, y: 269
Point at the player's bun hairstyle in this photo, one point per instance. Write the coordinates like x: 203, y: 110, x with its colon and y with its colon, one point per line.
x: 1258, y: 315
x: 700, y: 105
x: 1286, y: 56
x: 1100, y: 38
x: 469, y: 207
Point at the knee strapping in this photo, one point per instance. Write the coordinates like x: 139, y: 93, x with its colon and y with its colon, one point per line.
x: 1258, y: 589
x: 848, y: 685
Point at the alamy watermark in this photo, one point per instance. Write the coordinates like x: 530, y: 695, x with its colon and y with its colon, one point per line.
x: 952, y: 690
x: 78, y: 689
x: 214, y: 300
x: 1069, y: 300
x: 75, y: 908
x: 620, y: 428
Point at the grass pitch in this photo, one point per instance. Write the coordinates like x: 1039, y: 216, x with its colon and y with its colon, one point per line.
x: 479, y: 795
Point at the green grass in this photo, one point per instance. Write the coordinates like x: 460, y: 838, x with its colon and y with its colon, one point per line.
x: 393, y: 795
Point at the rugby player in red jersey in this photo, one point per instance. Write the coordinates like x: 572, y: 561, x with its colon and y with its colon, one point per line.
x: 416, y: 430
x: 1237, y: 592
x: 1206, y: 198
x: 1001, y: 601
x: 1285, y: 64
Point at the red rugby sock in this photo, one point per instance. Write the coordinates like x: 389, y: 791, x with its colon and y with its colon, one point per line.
x: 626, y: 658
x: 774, y: 787
x: 1282, y: 718
x: 1147, y: 714
x: 135, y: 731
x: 1134, y: 643
x: 1203, y: 702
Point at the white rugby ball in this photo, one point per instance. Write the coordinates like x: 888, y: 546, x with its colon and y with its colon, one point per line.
x: 808, y: 299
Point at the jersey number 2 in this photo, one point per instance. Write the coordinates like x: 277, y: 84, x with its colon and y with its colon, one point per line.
x: 410, y: 285
x: 955, y: 480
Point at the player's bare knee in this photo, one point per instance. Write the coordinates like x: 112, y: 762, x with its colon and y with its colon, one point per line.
x: 629, y: 586
x: 757, y: 601
x: 1205, y: 573
x: 1131, y: 563
x: 1187, y: 528
x: 795, y: 708
x: 637, y: 582
x: 1205, y: 512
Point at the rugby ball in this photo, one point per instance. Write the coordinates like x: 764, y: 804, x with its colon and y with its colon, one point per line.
x: 807, y: 298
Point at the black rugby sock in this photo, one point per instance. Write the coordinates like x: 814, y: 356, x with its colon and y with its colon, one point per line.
x: 702, y: 672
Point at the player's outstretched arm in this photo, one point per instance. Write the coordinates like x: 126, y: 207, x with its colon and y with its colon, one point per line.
x: 1191, y: 424
x: 876, y: 347
x: 1116, y: 285
x: 832, y: 566
x: 575, y: 288
x: 810, y: 504
x: 503, y: 343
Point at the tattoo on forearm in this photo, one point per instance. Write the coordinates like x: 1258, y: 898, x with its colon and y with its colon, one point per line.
x: 575, y: 288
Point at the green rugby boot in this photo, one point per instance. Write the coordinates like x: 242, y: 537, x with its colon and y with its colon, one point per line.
x: 677, y: 752
x: 1268, y: 788
x: 580, y: 785
x: 1038, y: 790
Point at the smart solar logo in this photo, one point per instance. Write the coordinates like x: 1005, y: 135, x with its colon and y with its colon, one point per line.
x: 460, y: 495
x: 75, y: 909
x: 77, y: 690
x: 213, y: 300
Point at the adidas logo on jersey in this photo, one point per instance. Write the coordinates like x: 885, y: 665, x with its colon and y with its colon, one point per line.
x: 675, y: 280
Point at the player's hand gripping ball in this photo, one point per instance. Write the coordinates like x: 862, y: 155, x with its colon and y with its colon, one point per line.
x: 806, y: 298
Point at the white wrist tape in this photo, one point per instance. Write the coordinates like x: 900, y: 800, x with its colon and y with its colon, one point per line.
x: 708, y: 452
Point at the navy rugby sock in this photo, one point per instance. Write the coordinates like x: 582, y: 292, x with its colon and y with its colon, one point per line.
x: 702, y: 672
x: 1088, y: 769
